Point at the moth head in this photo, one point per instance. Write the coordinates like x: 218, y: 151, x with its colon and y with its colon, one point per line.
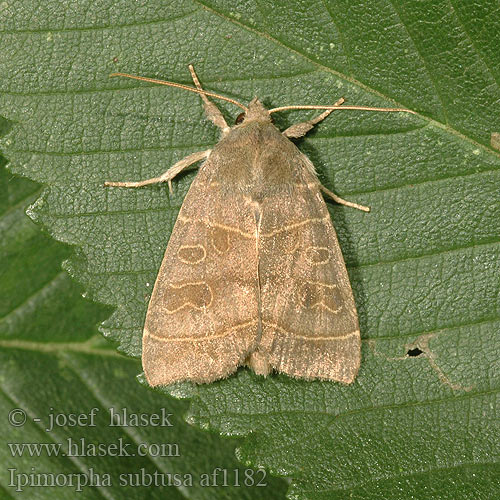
x: 255, y: 112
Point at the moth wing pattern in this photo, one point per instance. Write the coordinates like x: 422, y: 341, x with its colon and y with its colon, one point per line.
x: 202, y: 318
x: 309, y: 321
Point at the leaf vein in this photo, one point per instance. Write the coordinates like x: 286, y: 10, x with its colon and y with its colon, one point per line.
x: 97, y: 28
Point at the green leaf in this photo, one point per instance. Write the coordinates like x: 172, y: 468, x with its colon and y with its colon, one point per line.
x: 424, y: 264
x: 53, y: 362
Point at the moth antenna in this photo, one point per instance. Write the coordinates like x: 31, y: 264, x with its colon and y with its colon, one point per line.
x: 180, y: 86
x: 362, y: 108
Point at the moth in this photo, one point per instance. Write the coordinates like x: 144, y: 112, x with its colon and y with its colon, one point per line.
x: 253, y: 273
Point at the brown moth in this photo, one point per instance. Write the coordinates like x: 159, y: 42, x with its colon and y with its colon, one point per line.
x: 253, y: 273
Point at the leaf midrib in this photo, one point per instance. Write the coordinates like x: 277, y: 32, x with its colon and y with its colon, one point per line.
x: 350, y: 79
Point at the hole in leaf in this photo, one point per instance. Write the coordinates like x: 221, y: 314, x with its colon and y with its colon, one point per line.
x: 414, y: 352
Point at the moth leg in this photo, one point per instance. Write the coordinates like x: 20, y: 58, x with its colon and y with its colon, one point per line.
x: 301, y: 129
x: 211, y: 110
x: 168, y: 175
x: 340, y: 200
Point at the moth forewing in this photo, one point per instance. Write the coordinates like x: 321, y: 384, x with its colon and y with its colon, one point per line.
x: 308, y: 315
x: 202, y: 318
x: 253, y: 272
